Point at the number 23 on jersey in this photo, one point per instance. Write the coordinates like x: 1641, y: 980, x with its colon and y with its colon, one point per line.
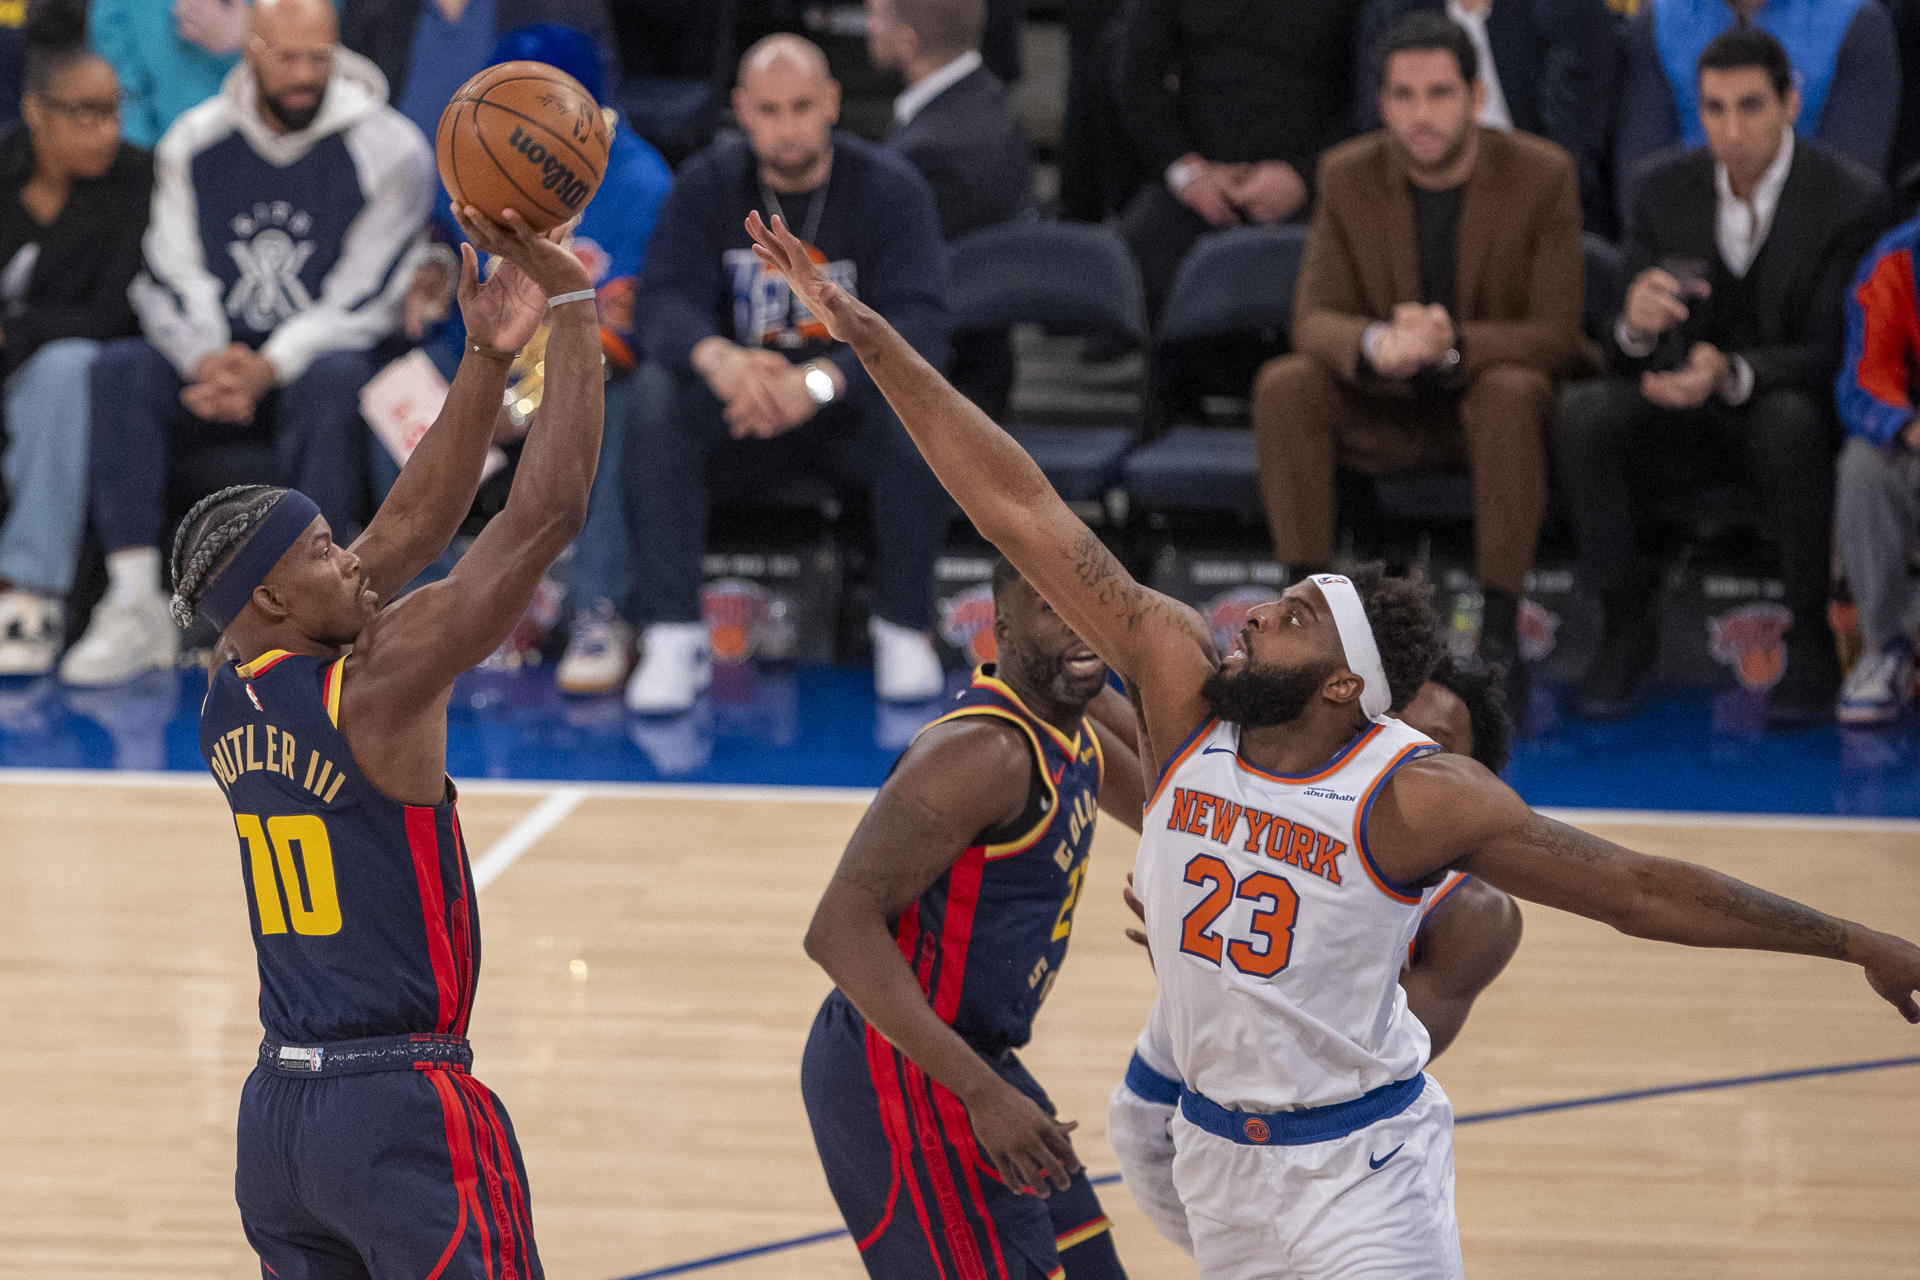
x: 1271, y: 925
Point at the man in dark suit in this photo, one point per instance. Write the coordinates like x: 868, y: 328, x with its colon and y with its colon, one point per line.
x: 1231, y: 103
x: 1439, y: 297
x: 1549, y: 67
x: 956, y: 124
x: 1725, y: 355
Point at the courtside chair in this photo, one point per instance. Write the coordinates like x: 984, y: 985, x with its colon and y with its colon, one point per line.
x: 1234, y: 288
x: 1065, y: 279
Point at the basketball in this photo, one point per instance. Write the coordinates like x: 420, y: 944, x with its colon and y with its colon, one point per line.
x: 523, y: 136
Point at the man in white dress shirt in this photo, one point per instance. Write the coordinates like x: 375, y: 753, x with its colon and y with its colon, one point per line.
x: 1725, y: 355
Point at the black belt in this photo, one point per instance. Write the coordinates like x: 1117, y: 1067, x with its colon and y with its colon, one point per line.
x: 423, y: 1052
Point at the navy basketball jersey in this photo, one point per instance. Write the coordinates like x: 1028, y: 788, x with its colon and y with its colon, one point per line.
x: 988, y: 938
x: 362, y: 907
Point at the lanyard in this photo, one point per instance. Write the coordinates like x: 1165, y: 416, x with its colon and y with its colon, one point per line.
x: 817, y: 208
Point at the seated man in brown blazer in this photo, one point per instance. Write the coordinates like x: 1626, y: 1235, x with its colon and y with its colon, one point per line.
x: 1439, y: 296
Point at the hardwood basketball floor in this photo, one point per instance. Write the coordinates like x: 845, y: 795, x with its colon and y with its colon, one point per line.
x: 644, y: 1003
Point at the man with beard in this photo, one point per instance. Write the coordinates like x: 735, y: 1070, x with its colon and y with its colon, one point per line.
x: 1291, y: 833
x: 743, y: 383
x: 1454, y: 956
x: 275, y: 265
x: 943, y: 929
x: 1439, y: 296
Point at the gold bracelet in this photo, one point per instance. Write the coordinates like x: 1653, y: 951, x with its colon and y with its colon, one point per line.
x: 492, y: 353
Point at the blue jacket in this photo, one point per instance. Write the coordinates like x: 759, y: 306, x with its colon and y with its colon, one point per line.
x: 878, y: 233
x: 1875, y: 389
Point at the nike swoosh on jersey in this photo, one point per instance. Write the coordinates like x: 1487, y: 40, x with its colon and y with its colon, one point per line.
x: 1218, y: 751
x: 1375, y: 1164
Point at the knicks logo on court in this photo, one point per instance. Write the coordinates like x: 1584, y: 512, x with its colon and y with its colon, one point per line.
x: 1753, y: 641
x: 966, y: 623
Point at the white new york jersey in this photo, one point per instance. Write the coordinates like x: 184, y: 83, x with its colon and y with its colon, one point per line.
x: 1277, y: 944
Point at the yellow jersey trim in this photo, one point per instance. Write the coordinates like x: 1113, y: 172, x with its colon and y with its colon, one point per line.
x: 1069, y: 745
x: 1028, y: 839
x: 248, y: 670
x: 336, y: 676
x: 1080, y: 1235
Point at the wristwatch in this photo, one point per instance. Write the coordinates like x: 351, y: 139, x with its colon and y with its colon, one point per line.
x: 1180, y: 173
x: 819, y: 383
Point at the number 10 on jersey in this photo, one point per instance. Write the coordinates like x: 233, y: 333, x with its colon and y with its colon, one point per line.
x: 1272, y: 924
x: 291, y: 854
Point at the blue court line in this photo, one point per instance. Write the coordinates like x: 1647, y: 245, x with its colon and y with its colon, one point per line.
x: 1478, y: 1117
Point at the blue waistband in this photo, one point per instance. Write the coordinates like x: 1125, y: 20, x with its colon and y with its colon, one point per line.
x: 425, y: 1051
x: 1298, y: 1128
x: 1150, y: 1084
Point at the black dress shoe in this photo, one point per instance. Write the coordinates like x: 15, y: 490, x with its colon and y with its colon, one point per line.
x: 1804, y: 697
x: 1501, y: 654
x: 1615, y: 685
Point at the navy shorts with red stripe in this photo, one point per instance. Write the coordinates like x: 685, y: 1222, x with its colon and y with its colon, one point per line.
x: 918, y: 1197
x: 382, y: 1176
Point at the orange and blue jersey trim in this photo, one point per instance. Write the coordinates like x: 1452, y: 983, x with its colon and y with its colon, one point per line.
x: 1398, y: 893
x: 1321, y: 774
x: 1426, y: 913
x: 1179, y: 757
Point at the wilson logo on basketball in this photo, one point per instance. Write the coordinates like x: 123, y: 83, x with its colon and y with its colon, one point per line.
x: 555, y: 174
x: 966, y: 623
x: 1257, y: 1130
x: 733, y: 609
x: 1752, y: 640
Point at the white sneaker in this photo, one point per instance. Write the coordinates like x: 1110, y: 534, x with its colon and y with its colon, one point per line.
x: 905, y: 666
x: 598, y: 653
x: 676, y: 663
x: 31, y: 627
x: 1878, y: 688
x: 127, y: 636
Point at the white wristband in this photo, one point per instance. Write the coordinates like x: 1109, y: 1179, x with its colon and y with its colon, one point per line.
x: 578, y: 295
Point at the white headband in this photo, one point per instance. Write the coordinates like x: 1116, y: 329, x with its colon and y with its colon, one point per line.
x: 1356, y: 637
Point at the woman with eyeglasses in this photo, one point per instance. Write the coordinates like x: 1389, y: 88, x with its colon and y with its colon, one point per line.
x: 73, y: 206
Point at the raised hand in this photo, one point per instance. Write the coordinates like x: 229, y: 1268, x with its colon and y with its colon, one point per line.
x: 844, y: 315
x: 505, y: 311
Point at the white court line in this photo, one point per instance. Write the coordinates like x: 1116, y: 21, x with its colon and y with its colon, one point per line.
x: 749, y: 794
x: 526, y: 833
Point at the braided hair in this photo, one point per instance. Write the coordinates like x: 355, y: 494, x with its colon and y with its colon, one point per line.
x: 209, y: 535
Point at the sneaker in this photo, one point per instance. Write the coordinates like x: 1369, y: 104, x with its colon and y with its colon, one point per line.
x: 127, y: 636
x: 1878, y: 687
x: 905, y: 666
x: 598, y: 653
x: 676, y: 663
x: 31, y: 628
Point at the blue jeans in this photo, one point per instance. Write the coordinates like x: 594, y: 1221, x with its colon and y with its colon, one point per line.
x: 313, y: 423
x: 677, y: 437
x: 602, y: 566
x: 48, y: 425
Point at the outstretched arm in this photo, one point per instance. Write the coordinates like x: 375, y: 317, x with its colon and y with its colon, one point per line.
x: 404, y: 663
x: 1447, y: 809
x: 436, y: 487
x: 1156, y: 642
x: 957, y: 780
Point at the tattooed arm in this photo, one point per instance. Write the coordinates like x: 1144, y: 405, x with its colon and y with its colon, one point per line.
x: 1447, y: 809
x: 1156, y: 642
x: 956, y: 781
